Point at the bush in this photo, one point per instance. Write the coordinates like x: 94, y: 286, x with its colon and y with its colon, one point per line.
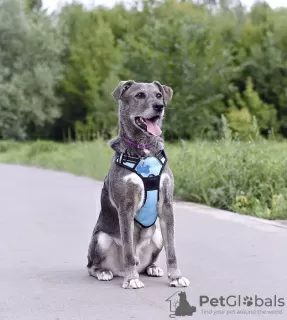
x: 245, y: 177
x: 29, y: 70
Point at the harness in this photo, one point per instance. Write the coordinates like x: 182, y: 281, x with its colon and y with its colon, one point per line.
x: 149, y: 169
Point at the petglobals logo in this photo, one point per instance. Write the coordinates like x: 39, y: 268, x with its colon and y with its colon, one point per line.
x: 241, y: 301
x: 238, y: 304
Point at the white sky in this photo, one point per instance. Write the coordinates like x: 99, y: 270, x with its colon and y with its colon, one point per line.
x: 52, y: 4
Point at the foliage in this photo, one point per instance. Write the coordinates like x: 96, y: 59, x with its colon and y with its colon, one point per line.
x: 247, y: 177
x: 89, y: 60
x: 29, y: 70
x: 57, y: 74
x: 243, y: 107
x: 226, y: 65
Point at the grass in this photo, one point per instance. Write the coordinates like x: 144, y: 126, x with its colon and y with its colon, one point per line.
x: 244, y: 177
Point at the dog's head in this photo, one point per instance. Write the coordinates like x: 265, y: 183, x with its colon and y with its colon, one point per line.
x: 142, y: 106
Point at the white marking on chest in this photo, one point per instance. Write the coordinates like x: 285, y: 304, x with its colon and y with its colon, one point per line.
x: 135, y: 179
x: 146, y: 151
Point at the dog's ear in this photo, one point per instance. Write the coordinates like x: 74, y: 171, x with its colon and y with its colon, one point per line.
x: 121, y: 88
x: 166, y: 91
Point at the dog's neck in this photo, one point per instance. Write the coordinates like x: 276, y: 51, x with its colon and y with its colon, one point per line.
x: 120, y: 144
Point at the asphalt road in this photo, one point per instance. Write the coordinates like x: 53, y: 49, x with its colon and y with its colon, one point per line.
x: 46, y: 220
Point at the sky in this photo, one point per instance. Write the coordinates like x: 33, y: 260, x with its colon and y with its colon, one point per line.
x: 52, y: 4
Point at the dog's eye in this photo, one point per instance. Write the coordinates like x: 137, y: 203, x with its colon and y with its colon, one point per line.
x: 159, y: 95
x: 140, y: 95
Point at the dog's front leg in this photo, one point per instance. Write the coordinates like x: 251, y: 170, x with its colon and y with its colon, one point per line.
x: 166, y: 217
x: 126, y: 219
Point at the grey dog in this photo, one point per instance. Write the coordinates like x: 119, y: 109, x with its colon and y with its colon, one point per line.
x: 120, y: 246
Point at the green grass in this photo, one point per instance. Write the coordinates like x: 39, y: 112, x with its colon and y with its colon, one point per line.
x: 245, y: 177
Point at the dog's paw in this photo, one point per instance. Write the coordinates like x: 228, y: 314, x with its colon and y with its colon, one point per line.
x: 154, y: 271
x: 133, y: 284
x: 105, y: 275
x: 180, y: 282
x: 101, y: 274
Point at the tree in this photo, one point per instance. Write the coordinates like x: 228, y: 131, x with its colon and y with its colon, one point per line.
x: 207, y: 51
x: 33, y: 5
x: 29, y: 70
x: 90, y: 62
x: 177, y: 46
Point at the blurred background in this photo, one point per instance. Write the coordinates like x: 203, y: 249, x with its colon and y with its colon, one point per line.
x: 226, y: 61
x: 59, y: 61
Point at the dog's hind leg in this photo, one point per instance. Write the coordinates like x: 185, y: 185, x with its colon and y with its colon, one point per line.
x: 156, y: 244
x: 98, y: 249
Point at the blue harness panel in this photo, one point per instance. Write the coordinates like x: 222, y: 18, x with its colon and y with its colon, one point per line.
x: 149, y: 170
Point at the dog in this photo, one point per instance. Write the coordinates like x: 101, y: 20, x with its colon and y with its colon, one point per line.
x: 137, y: 190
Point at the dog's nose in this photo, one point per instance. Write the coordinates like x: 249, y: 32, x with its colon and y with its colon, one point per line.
x: 158, y: 107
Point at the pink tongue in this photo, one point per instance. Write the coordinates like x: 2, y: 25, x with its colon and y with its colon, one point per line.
x: 153, y: 127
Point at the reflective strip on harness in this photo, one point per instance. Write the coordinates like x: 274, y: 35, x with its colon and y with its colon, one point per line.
x: 149, y: 170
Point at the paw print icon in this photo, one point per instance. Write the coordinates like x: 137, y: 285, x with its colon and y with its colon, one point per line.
x: 248, y: 301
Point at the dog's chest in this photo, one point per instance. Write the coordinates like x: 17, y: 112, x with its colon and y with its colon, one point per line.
x: 147, y: 173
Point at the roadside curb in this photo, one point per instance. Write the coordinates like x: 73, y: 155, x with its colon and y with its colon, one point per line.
x: 228, y: 215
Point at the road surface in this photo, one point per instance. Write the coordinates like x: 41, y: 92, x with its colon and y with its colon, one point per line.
x: 46, y: 220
